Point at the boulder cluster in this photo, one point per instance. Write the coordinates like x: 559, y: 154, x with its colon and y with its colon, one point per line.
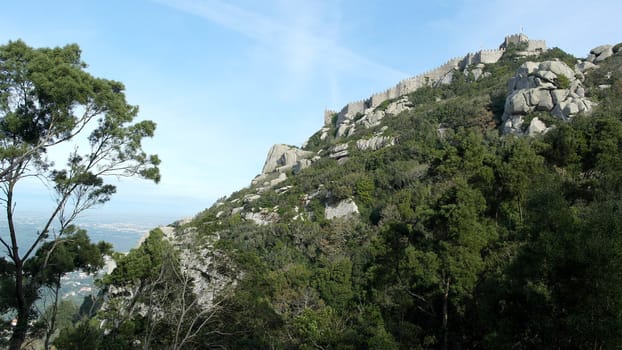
x: 549, y: 86
x: 283, y: 157
x: 347, y: 123
x: 601, y: 53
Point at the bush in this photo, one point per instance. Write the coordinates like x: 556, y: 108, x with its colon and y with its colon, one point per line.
x: 563, y: 82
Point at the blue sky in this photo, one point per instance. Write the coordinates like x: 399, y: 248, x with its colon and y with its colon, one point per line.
x: 224, y: 80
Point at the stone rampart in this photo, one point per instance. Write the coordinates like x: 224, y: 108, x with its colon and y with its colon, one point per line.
x: 489, y: 56
x: 351, y: 109
x: 513, y: 39
x: 439, y: 75
x: 536, y: 45
x: 532, y: 45
x: 328, y: 116
x: 410, y: 85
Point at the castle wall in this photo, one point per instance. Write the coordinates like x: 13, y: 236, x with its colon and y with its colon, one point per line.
x: 410, y: 85
x: 328, y: 116
x: 350, y: 110
x: 536, y: 45
x: 513, y: 39
x: 489, y: 56
x: 434, y: 76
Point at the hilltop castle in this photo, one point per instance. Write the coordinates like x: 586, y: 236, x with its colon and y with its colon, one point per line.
x: 440, y: 75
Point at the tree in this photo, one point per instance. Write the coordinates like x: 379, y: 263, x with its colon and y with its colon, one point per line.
x: 47, y: 99
x: 150, y: 302
x: 75, y: 251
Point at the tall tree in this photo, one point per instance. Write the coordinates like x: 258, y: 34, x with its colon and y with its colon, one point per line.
x: 47, y: 99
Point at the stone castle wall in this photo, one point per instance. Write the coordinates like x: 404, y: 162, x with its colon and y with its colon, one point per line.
x: 328, y: 116
x: 441, y: 75
x: 513, y: 39
x: 352, y: 109
x: 536, y: 45
x: 532, y: 45
x: 410, y: 85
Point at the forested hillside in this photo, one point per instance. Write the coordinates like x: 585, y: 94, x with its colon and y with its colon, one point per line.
x: 463, y: 237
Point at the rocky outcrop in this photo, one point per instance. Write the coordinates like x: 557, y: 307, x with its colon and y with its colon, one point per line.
x: 204, y: 264
x: 339, y: 151
x: 371, y: 117
x: 375, y: 143
x: 345, y: 208
x: 537, y: 127
x: 477, y: 72
x: 208, y: 269
x: 367, y: 113
x: 300, y: 165
x: 549, y: 86
x: 262, y: 217
x: 269, y: 180
x: 600, y: 53
x: 283, y: 157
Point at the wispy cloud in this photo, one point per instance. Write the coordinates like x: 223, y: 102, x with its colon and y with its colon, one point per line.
x: 296, y: 32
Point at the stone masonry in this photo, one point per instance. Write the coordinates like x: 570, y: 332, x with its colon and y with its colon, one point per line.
x: 440, y: 75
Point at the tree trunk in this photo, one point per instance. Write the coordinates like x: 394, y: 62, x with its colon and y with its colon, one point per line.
x: 23, y: 309
x: 52, y: 323
x: 445, y: 317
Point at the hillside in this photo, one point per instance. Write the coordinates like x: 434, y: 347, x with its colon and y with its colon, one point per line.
x: 473, y: 206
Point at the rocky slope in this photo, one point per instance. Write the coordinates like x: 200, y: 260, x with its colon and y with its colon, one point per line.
x: 395, y: 193
x: 550, y: 86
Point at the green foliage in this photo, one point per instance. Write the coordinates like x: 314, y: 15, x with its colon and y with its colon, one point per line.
x: 83, y: 336
x: 383, y: 105
x: 466, y: 239
x: 563, y: 82
x: 556, y: 53
x: 47, y: 99
x: 424, y: 95
x: 141, y: 263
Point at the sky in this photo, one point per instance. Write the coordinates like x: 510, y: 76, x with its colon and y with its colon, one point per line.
x: 225, y: 80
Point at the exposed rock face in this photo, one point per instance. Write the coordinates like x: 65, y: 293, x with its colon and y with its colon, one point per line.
x: 266, y: 181
x: 549, y: 86
x: 399, y: 106
x: 345, y: 208
x: 283, y: 157
x: 477, y: 71
x: 585, y: 66
x: 375, y: 143
x: 370, y: 117
x: 365, y: 111
x: 537, y: 127
x: 301, y: 164
x: 600, y: 53
x: 209, y: 269
x: 282, y: 177
x: 202, y: 265
x: 262, y: 217
x: 339, y: 151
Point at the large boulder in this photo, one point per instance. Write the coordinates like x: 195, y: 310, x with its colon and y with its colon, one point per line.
x: 339, y: 151
x: 536, y: 127
x: 345, y: 208
x: 375, y: 143
x: 262, y: 217
x: 549, y: 86
x: 600, y: 53
x: 283, y: 157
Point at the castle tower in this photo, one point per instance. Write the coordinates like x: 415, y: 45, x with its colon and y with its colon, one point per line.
x: 328, y: 116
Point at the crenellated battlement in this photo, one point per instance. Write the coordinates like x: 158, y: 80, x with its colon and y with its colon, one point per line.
x: 514, y: 39
x: 439, y: 75
x: 532, y: 45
